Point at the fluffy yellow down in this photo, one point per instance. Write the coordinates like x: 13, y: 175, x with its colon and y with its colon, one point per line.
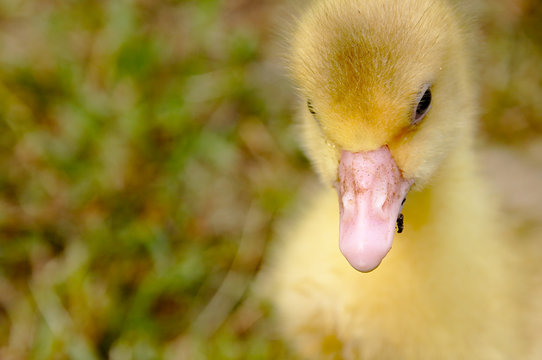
x: 453, y: 286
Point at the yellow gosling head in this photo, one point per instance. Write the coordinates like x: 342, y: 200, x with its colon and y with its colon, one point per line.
x: 386, y: 98
x: 362, y: 68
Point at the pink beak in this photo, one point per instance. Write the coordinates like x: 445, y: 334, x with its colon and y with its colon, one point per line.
x: 371, y: 189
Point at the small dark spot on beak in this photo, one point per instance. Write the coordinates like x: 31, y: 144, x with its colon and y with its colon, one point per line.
x: 403, y: 202
x: 400, y: 220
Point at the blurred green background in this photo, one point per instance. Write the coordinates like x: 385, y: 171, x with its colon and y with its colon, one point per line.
x: 147, y: 154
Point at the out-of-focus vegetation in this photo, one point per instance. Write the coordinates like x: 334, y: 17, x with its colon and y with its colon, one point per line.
x: 146, y: 153
x: 511, y: 69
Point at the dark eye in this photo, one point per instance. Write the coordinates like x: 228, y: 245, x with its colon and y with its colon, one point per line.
x: 311, y: 108
x: 423, y: 106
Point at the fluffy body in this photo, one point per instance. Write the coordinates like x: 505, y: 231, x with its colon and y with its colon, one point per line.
x: 453, y: 285
x: 450, y: 288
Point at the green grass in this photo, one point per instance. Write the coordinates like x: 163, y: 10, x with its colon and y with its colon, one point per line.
x: 147, y: 155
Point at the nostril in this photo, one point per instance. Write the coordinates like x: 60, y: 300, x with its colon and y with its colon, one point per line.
x: 378, y: 203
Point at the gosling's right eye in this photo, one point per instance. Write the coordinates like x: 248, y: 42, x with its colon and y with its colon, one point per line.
x: 311, y: 108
